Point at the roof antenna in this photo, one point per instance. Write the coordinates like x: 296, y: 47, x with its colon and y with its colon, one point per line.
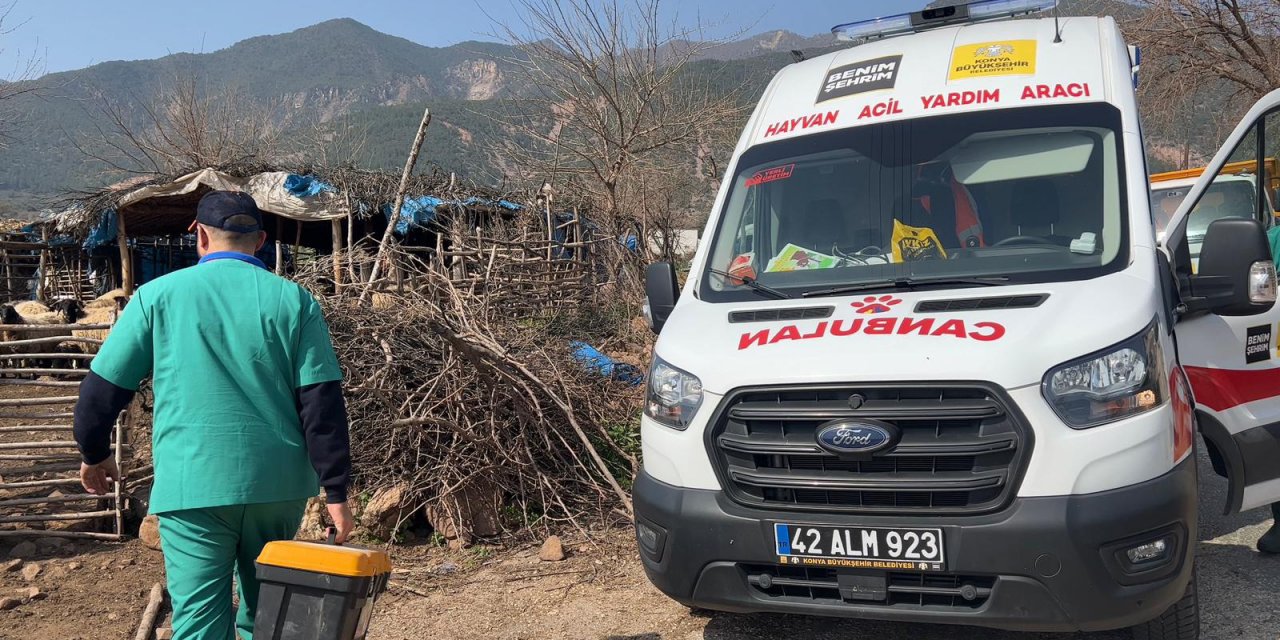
x: 1057, y: 31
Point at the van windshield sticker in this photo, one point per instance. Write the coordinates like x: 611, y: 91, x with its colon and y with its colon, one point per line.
x: 1047, y: 91
x: 803, y: 122
x: 860, y: 77
x: 884, y: 323
x: 797, y: 258
x: 989, y: 59
x: 771, y: 174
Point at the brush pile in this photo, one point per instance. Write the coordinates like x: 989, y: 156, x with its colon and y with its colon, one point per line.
x: 475, y: 412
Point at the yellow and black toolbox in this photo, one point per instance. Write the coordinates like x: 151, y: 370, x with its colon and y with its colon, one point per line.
x: 317, y: 591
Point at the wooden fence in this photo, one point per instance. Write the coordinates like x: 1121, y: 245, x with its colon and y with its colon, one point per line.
x: 41, y: 367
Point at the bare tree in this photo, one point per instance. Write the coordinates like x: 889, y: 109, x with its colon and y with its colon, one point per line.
x: 1205, y: 62
x: 183, y: 128
x: 16, y: 81
x: 609, y: 105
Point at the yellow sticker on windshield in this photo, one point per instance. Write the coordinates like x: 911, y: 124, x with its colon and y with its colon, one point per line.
x: 988, y: 59
x: 915, y: 243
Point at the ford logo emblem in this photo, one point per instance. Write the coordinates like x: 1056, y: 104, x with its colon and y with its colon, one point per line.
x: 855, y: 436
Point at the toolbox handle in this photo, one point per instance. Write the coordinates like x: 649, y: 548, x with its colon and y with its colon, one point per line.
x: 332, y: 533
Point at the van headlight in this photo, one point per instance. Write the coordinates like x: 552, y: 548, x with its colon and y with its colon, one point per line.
x: 672, y: 396
x: 1121, y: 381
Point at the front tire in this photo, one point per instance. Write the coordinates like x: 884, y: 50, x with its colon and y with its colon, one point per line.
x: 1179, y: 622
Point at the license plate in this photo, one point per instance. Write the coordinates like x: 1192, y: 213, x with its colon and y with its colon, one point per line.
x: 891, y: 549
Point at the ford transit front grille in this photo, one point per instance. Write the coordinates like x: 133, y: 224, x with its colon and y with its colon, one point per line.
x: 962, y: 449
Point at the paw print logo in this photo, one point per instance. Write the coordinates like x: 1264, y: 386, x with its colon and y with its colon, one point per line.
x: 872, y: 304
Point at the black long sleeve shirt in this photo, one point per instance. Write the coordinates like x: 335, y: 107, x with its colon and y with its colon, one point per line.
x: 321, y: 407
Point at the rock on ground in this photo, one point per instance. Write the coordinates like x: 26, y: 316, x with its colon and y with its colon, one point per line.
x: 13, y: 565
x: 23, y: 550
x: 384, y: 509
x: 31, y: 572
x: 552, y: 550
x: 149, y: 532
x: 8, y: 603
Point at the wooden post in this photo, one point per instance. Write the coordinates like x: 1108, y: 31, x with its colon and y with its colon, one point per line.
x: 297, y: 241
x: 126, y: 256
x: 42, y: 287
x: 279, y: 245
x: 337, y: 254
x: 395, y: 210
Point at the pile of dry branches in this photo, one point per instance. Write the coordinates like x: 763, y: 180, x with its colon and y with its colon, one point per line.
x: 480, y: 414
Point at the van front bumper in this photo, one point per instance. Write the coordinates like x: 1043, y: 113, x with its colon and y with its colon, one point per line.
x: 1050, y: 563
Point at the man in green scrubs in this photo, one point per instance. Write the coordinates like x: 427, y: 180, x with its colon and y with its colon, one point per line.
x: 249, y: 416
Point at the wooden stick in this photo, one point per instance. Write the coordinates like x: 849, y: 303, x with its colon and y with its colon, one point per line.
x: 23, y: 402
x: 41, y: 533
x: 56, y: 482
x: 399, y: 205
x: 46, y: 371
x: 50, y: 444
x: 126, y: 256
x: 67, y: 356
x: 50, y: 340
x: 337, y: 253
x: 38, y: 383
x: 47, y: 517
x: 17, y: 415
x: 120, y: 445
x: 149, y: 615
x: 18, y: 328
x: 36, y: 427
x: 279, y: 245
x: 22, y: 502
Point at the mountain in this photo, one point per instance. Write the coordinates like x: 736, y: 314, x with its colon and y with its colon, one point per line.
x: 341, y: 75
x: 312, y: 75
x: 768, y: 42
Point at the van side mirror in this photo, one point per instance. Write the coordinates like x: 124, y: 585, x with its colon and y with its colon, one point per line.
x: 662, y: 291
x: 1236, y: 275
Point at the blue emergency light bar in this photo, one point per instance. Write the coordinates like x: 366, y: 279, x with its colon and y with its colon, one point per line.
x: 980, y: 11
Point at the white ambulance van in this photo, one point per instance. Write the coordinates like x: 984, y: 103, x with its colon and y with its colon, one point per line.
x: 930, y: 363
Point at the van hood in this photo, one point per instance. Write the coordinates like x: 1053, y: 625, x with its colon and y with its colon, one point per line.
x: 1016, y: 336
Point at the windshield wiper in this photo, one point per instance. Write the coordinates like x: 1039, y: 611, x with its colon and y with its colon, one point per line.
x: 750, y: 282
x: 907, y: 283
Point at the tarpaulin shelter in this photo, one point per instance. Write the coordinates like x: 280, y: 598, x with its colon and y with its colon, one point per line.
x: 168, y: 208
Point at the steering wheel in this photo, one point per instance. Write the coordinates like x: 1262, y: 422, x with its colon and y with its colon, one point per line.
x: 1018, y: 240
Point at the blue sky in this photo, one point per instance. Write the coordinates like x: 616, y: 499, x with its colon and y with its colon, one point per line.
x: 70, y: 34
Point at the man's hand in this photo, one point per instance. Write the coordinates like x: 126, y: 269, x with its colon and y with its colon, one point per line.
x: 97, y: 478
x: 342, y: 520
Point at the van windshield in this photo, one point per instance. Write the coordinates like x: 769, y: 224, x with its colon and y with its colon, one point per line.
x: 1226, y: 197
x: 1014, y: 195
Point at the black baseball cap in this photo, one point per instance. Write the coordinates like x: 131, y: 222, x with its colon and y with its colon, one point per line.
x: 217, y: 208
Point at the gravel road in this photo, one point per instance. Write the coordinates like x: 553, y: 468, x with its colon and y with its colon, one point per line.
x: 600, y: 592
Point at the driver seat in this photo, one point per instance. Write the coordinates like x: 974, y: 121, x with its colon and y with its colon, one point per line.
x: 1034, y: 210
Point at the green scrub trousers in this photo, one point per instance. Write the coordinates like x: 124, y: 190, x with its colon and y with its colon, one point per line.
x: 201, y: 546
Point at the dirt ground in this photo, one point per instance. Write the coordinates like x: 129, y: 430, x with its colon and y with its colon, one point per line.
x: 97, y: 590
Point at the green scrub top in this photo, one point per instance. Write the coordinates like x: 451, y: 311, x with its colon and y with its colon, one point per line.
x: 1273, y: 234
x: 228, y: 343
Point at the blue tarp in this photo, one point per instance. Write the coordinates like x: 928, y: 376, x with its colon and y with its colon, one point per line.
x: 415, y: 212
x: 104, y: 233
x: 305, y: 186
x: 422, y: 210
x: 604, y: 365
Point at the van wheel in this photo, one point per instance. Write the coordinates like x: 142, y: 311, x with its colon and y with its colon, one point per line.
x: 1180, y: 622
